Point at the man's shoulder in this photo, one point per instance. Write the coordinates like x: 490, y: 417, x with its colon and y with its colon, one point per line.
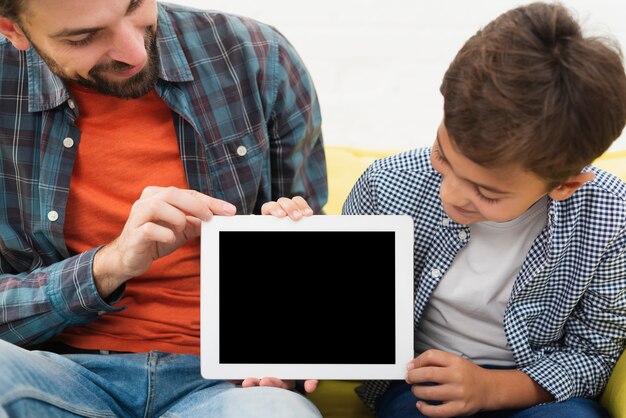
x: 11, y: 58
x: 6, y: 47
x: 186, y: 19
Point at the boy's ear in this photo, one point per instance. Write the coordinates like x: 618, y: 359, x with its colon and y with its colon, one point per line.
x: 14, y: 33
x: 568, y: 187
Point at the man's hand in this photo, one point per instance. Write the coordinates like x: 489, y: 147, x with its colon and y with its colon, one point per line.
x: 162, y: 220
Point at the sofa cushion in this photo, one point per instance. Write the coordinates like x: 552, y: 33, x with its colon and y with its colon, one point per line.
x: 337, y: 399
x: 345, y: 165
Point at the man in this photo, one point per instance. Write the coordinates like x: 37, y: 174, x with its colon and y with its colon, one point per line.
x: 125, y: 123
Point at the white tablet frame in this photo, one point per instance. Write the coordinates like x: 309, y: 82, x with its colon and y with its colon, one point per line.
x: 402, y: 225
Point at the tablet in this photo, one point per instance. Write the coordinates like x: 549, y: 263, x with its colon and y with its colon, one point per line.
x: 325, y: 297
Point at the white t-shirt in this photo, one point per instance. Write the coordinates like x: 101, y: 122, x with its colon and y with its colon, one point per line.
x: 464, y: 315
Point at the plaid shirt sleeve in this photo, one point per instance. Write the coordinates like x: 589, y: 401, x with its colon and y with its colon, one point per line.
x: 593, y: 335
x: 296, y: 121
x: 37, y: 305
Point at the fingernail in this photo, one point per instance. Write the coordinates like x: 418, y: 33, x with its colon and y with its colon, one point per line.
x: 308, y: 211
x: 410, y: 365
x: 296, y: 214
x: 279, y: 212
x: 229, y: 208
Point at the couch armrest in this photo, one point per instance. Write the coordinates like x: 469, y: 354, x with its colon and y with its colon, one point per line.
x: 614, y: 395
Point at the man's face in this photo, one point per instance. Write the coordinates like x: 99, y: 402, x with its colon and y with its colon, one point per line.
x: 472, y: 193
x: 105, y: 45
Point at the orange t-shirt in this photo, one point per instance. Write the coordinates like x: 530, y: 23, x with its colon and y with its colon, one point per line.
x: 126, y: 145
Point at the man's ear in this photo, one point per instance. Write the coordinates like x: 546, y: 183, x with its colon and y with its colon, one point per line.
x: 14, y: 33
x: 568, y: 187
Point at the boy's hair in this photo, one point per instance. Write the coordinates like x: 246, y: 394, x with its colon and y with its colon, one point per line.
x: 529, y: 89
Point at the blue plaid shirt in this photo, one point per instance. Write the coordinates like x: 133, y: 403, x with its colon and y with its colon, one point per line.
x: 565, y: 321
x: 232, y: 83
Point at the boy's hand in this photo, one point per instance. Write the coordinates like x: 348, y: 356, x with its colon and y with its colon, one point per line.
x: 309, y: 385
x: 295, y: 207
x: 459, y: 385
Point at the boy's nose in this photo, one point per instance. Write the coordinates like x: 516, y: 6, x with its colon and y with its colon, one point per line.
x: 452, y: 192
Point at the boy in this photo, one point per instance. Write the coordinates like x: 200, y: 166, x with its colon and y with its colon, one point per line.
x: 520, y: 273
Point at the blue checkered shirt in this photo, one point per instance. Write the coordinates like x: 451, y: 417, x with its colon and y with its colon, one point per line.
x: 565, y: 321
x: 232, y: 83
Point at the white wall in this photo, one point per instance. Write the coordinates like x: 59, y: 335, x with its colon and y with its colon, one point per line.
x: 377, y: 65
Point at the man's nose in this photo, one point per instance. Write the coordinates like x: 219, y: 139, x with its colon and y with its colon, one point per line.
x: 129, y: 45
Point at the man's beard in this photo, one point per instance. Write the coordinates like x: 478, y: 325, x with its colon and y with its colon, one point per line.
x: 131, y: 88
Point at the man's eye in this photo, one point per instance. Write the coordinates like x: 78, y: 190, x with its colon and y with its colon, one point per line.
x: 81, y: 42
x: 134, y: 5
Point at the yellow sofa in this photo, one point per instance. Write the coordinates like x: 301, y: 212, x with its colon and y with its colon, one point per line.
x: 337, y: 399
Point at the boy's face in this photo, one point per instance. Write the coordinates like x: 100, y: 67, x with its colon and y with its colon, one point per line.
x: 106, y: 45
x: 472, y: 193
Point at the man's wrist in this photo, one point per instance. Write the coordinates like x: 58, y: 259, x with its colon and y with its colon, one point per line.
x: 105, y: 281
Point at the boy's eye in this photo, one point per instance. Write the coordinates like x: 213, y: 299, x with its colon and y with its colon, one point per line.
x: 485, y: 198
x: 438, y: 155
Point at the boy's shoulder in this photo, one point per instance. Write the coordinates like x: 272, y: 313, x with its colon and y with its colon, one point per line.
x: 602, y: 200
x: 606, y: 182
x: 413, y: 160
x: 408, y: 173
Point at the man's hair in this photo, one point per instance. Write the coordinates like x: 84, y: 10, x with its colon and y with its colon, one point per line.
x: 530, y: 89
x: 11, y: 8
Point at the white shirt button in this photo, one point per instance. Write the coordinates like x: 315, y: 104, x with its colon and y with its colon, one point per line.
x: 68, y: 142
x: 445, y: 222
x: 53, y: 215
x: 70, y: 103
x: 435, y: 273
x: 462, y: 235
x: 241, y: 150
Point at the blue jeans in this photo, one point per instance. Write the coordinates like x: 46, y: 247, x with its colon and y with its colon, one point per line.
x: 155, y: 384
x: 399, y: 402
